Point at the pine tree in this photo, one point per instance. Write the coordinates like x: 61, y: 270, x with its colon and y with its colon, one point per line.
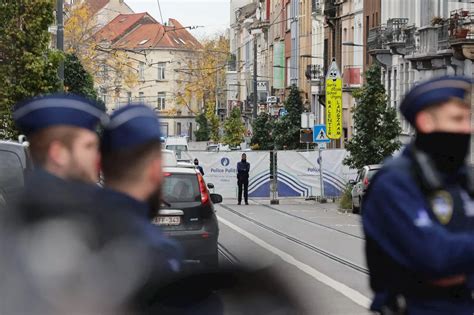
x: 27, y: 66
x: 234, y: 128
x: 203, y: 133
x: 377, y: 128
x: 262, y: 132
x: 287, y: 129
x: 78, y: 81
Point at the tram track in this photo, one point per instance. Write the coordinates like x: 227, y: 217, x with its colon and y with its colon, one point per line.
x: 300, y: 242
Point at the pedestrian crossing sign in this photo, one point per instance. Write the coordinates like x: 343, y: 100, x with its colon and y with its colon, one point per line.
x: 320, y: 135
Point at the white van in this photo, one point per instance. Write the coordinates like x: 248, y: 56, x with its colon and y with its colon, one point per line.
x: 176, y: 144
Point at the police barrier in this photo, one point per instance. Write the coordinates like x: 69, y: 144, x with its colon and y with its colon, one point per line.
x: 298, y: 172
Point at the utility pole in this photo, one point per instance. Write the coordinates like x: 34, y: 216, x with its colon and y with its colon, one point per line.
x: 60, y: 36
x: 255, y: 95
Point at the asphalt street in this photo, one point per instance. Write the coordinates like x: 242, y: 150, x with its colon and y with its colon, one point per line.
x: 315, y: 249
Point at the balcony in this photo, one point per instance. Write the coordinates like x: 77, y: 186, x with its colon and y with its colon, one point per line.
x: 376, y: 39
x: 316, y: 8
x: 313, y: 72
x: 352, y: 77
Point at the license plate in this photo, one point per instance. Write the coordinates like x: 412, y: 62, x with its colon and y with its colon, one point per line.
x: 167, y: 220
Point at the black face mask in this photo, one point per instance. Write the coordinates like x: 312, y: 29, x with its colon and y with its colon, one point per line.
x: 244, y: 160
x: 196, y: 163
x: 448, y: 150
x: 154, y: 203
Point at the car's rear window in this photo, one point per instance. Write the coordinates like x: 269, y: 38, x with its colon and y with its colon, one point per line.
x: 11, y: 169
x: 181, y: 188
x: 372, y: 173
x: 176, y: 147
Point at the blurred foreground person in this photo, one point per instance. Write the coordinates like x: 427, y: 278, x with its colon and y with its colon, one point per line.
x: 51, y: 230
x: 418, y: 214
x: 131, y: 152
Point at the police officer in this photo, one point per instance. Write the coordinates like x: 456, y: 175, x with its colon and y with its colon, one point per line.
x: 418, y: 214
x: 243, y: 169
x: 54, y: 211
x: 199, y: 167
x: 131, y: 164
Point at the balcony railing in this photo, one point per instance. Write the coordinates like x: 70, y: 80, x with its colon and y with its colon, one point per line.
x: 352, y: 76
x: 443, y: 37
x: 376, y: 39
x: 316, y: 7
x: 395, y: 30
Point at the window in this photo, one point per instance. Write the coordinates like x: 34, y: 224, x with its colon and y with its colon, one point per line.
x: 141, y: 71
x: 104, y: 71
x: 161, y: 102
x: 103, y: 93
x: 129, y: 97
x: 288, y: 19
x: 288, y: 73
x: 141, y: 97
x: 161, y: 70
x: 178, y: 128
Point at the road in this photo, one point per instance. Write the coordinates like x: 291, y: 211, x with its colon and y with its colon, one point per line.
x: 317, y: 250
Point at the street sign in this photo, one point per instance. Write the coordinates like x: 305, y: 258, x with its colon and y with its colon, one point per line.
x: 320, y: 135
x: 307, y: 120
x: 272, y: 99
x: 306, y: 136
x: 334, y: 102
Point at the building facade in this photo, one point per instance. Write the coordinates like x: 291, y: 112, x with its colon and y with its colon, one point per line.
x: 158, y: 56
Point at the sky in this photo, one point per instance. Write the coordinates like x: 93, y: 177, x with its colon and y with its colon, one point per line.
x: 214, y: 15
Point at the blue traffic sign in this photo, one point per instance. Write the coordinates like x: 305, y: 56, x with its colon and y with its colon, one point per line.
x: 320, y: 135
x: 283, y: 112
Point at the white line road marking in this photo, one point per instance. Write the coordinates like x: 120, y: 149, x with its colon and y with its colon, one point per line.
x: 350, y: 293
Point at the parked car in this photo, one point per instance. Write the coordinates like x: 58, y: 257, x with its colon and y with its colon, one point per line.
x: 216, y: 147
x: 361, y: 184
x: 14, y: 164
x: 188, y: 216
x: 176, y: 144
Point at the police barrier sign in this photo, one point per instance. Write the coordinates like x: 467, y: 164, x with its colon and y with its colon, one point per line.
x: 334, y: 102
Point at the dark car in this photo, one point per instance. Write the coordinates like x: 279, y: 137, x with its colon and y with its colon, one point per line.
x: 361, y: 184
x: 187, y: 215
x: 14, y: 164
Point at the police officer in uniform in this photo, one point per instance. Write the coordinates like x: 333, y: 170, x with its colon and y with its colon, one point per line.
x: 243, y: 169
x: 54, y: 211
x: 418, y: 214
x: 131, y: 164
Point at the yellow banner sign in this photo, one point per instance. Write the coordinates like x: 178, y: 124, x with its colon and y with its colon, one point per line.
x: 334, y: 108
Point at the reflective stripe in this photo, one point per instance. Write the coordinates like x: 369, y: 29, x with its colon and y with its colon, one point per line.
x: 65, y: 103
x: 128, y: 115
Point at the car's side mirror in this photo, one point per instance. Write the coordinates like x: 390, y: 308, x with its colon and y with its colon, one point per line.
x: 210, y: 186
x: 352, y: 182
x: 216, y: 198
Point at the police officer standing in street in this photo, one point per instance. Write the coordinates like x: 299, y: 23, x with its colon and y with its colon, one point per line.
x: 199, y: 167
x: 243, y: 169
x: 418, y: 214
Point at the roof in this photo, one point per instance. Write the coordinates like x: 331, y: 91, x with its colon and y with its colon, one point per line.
x: 180, y: 170
x: 121, y: 24
x: 156, y: 35
x: 96, y: 5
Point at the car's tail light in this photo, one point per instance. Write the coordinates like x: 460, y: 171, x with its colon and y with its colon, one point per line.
x: 366, y: 182
x: 204, y: 192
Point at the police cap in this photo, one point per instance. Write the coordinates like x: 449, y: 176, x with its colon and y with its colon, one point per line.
x: 57, y: 109
x: 433, y: 92
x: 129, y: 127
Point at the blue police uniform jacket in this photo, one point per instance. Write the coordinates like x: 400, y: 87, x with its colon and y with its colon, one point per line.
x: 415, y: 237
x: 243, y: 169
